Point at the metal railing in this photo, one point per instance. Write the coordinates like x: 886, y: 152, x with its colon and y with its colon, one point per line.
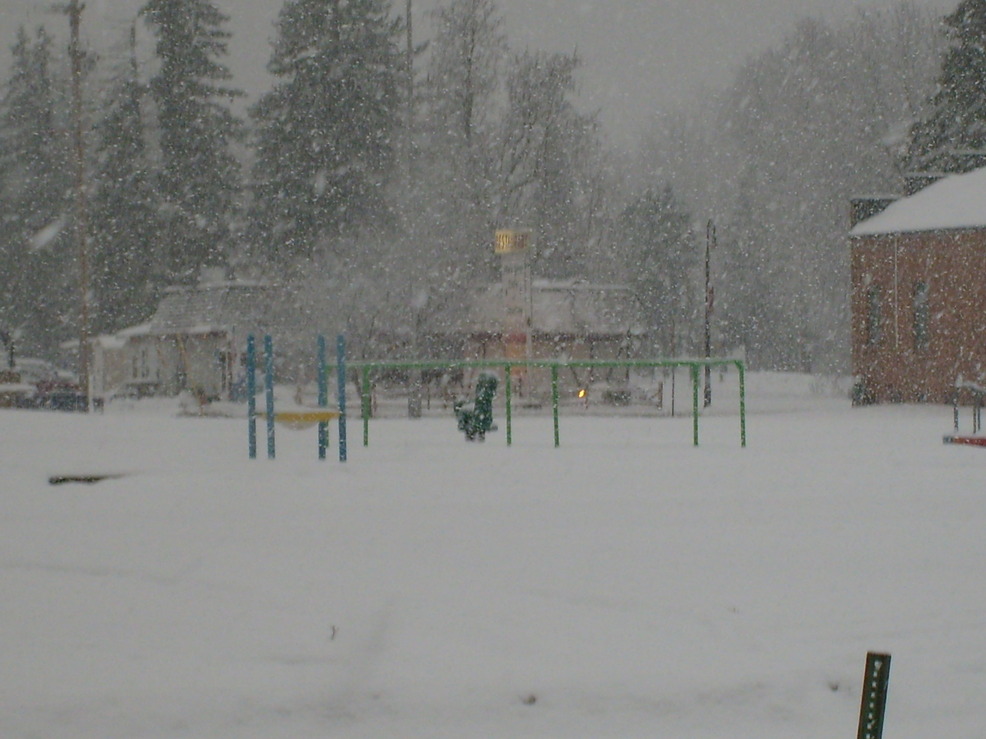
x: 367, y: 368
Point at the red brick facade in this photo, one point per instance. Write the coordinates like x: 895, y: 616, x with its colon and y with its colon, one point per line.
x: 918, y: 313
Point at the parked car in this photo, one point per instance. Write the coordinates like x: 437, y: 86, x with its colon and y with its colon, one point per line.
x: 54, y: 389
x: 61, y: 395
x: 32, y: 371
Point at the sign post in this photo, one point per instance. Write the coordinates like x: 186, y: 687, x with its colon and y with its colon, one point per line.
x: 875, y: 682
x: 513, y: 247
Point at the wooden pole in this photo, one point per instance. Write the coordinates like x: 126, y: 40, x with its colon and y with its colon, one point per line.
x: 710, y: 239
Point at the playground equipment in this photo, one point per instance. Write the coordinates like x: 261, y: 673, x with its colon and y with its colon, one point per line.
x: 977, y: 393
x: 694, y: 366
x: 13, y: 393
x: 296, y: 419
x: 476, y: 418
x: 366, y: 370
x: 7, y: 340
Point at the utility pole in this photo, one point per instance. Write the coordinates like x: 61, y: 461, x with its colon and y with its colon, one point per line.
x: 74, y: 12
x: 410, y: 64
x: 710, y: 242
x: 409, y: 93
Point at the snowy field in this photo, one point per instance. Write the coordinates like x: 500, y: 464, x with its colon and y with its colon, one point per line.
x: 626, y: 584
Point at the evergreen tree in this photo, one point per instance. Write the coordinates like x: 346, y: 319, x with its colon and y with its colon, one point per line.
x: 953, y: 137
x: 127, y: 268
x: 659, y: 251
x: 450, y: 206
x: 753, y: 296
x: 199, y: 177
x: 547, y: 156
x: 327, y: 131
x: 468, y: 52
x: 38, y: 292
x: 803, y: 127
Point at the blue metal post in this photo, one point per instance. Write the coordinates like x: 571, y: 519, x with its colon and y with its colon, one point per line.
x: 323, y: 399
x: 341, y: 387
x: 269, y: 386
x: 251, y: 391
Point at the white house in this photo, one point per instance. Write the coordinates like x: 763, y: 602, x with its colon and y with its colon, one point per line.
x: 194, y: 341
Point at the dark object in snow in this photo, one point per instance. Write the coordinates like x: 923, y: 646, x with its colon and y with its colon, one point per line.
x: 476, y: 418
x: 64, y: 396
x: 84, y: 479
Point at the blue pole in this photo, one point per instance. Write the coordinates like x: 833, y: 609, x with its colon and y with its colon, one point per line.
x: 269, y: 386
x: 323, y: 399
x: 341, y: 388
x: 251, y: 391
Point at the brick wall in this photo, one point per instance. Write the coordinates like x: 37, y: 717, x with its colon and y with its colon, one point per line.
x: 912, y: 343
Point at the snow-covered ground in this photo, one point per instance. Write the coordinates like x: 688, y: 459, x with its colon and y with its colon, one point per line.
x: 626, y: 584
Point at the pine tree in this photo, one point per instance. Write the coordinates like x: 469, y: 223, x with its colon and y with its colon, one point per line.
x: 953, y: 137
x: 36, y: 246
x: 199, y: 176
x: 468, y: 52
x: 327, y: 131
x: 546, y: 160
x: 753, y: 299
x: 451, y: 206
x: 836, y: 100
x: 656, y: 239
x: 126, y: 228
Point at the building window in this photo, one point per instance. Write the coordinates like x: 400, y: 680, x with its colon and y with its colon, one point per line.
x: 874, y: 316
x: 921, y: 316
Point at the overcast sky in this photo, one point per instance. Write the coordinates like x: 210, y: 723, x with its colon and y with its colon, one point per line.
x: 641, y: 56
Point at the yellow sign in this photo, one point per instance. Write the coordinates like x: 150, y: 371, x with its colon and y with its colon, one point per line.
x: 510, y: 240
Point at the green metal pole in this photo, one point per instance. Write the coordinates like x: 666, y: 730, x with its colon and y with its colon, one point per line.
x: 742, y: 393
x: 341, y: 386
x: 873, y: 710
x: 554, y: 401
x: 365, y: 405
x: 251, y: 380
x: 508, y: 394
x: 694, y: 373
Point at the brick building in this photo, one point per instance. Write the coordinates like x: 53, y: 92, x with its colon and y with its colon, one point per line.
x: 919, y: 294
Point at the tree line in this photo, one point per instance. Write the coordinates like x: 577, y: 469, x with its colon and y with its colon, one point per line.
x: 368, y: 179
x: 825, y: 116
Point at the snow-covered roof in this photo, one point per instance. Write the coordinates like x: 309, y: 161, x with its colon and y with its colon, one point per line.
x: 209, y: 308
x: 955, y: 202
x: 142, y: 329
x: 562, y: 307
